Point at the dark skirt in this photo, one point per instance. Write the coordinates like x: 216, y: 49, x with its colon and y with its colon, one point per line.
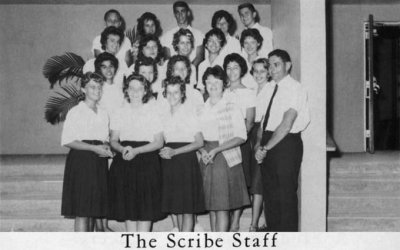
x: 182, y: 191
x: 135, y: 186
x: 256, y: 180
x: 246, y: 150
x: 85, y: 184
x: 224, y: 186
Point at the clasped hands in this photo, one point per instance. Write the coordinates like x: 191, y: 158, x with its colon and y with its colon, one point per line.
x: 167, y: 153
x: 103, y: 150
x: 128, y: 153
x: 208, y: 157
x: 261, y: 152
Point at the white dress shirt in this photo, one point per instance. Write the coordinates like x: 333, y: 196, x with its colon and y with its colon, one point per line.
x: 244, y: 98
x: 82, y: 123
x: 204, y: 65
x: 290, y: 95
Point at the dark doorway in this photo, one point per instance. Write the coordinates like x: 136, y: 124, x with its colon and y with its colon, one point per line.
x: 387, y: 97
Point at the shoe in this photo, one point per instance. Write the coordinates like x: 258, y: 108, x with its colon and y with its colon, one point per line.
x: 198, y: 228
x: 263, y: 228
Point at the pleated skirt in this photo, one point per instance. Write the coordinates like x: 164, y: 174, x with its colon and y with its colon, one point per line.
x: 85, y: 184
x: 224, y: 186
x: 182, y: 191
x: 135, y: 186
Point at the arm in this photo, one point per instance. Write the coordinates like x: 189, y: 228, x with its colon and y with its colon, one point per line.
x: 208, y: 157
x: 157, y: 143
x: 101, y: 150
x: 199, y: 56
x: 168, y: 153
x: 280, y: 132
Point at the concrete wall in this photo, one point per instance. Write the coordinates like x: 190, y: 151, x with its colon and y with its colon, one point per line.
x: 30, y: 34
x: 348, y: 70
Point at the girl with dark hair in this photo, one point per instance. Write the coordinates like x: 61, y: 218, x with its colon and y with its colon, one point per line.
x: 251, y: 42
x: 223, y: 128
x: 213, y: 42
x: 182, y: 182
x: 135, y: 174
x: 235, y: 67
x: 113, y: 18
x: 224, y: 21
x: 86, y: 132
x: 150, y: 46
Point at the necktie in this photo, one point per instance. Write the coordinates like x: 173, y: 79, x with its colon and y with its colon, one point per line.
x: 266, y: 117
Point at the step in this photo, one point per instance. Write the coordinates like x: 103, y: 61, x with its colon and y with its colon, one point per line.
x: 373, y: 186
x: 363, y: 224
x: 385, y: 163
x: 61, y: 224
x: 29, y: 188
x: 31, y: 165
x: 364, y: 206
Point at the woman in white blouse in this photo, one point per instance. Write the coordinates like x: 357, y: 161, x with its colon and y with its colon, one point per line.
x: 147, y: 67
x: 223, y: 128
x: 182, y: 192
x: 261, y: 76
x: 251, y: 42
x: 135, y: 174
x: 85, y: 132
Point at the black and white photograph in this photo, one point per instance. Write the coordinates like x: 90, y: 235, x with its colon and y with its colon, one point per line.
x: 187, y: 118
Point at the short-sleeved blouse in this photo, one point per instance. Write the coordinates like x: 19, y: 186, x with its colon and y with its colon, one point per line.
x: 244, y: 98
x: 181, y: 126
x: 209, y: 121
x: 137, y: 124
x: 262, y: 101
x: 82, y: 123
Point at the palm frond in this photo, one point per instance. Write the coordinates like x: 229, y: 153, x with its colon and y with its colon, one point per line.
x: 58, y: 105
x: 131, y: 34
x: 64, y: 67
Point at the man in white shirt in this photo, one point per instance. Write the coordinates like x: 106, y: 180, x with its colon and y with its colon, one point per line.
x: 250, y: 19
x: 184, y: 16
x: 279, y: 147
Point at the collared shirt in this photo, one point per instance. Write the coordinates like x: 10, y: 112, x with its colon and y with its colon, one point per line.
x: 112, y: 97
x: 232, y: 46
x: 137, y: 124
x: 267, y: 45
x: 244, y: 98
x: 219, y: 60
x: 82, y: 123
x: 262, y: 100
x: 182, y: 125
x: 290, y: 95
x: 209, y: 121
x: 168, y: 37
x: 125, y: 46
x: 119, y: 75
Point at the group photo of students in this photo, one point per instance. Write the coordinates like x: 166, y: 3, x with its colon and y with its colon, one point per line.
x: 176, y: 123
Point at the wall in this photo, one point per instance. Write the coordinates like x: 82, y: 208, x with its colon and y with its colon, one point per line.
x: 30, y: 34
x: 347, y: 60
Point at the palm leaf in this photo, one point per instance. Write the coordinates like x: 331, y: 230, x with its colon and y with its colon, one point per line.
x: 64, y: 67
x: 131, y: 34
x: 58, y: 105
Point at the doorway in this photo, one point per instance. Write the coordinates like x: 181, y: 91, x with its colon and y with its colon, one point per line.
x: 386, y: 92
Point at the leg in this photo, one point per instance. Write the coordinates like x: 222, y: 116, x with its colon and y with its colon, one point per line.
x: 81, y: 224
x: 131, y: 226
x: 235, y: 224
x: 222, y: 221
x: 175, y: 225
x: 91, y: 224
x: 99, y: 225
x: 188, y: 223
x: 144, y: 226
x: 180, y: 221
x: 213, y: 219
x: 256, y: 209
x: 106, y: 227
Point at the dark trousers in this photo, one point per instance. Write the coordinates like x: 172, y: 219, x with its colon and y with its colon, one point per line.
x: 280, y: 172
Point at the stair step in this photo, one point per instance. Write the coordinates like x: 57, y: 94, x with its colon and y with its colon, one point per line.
x: 364, y: 206
x: 384, y: 163
x: 387, y: 186
x: 31, y: 165
x: 61, y: 224
x: 363, y: 224
x: 30, y: 188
